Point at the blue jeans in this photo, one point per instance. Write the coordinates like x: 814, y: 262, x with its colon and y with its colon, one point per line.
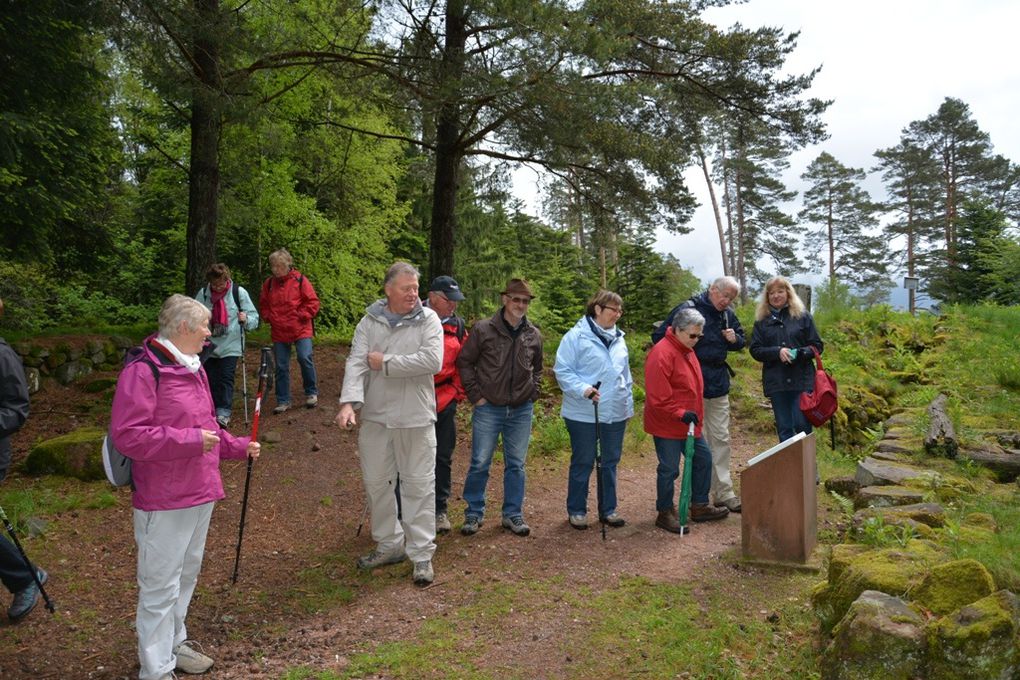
x: 488, y: 422
x: 789, y: 418
x: 281, y: 352
x: 582, y: 458
x: 668, y: 451
x: 221, y: 383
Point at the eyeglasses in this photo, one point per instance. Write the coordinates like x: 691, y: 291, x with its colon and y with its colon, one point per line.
x: 695, y: 336
x: 519, y: 300
x: 615, y: 309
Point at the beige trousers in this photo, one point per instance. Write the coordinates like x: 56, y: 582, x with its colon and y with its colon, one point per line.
x: 717, y: 433
x: 409, y: 452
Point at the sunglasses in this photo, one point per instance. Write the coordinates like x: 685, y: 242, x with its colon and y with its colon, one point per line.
x: 519, y: 300
x: 695, y: 336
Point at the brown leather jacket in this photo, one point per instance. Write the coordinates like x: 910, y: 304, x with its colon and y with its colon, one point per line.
x: 494, y: 365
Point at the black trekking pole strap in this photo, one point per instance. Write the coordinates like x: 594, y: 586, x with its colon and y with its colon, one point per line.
x: 35, y: 572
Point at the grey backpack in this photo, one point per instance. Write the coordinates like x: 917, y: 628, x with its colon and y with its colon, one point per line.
x: 116, y: 465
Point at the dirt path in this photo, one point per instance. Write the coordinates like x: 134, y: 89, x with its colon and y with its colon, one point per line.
x: 299, y: 600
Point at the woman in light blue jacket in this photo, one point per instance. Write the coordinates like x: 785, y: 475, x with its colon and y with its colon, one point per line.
x: 230, y: 308
x: 594, y: 352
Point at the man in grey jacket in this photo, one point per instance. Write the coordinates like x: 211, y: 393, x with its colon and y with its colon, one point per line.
x: 397, y: 348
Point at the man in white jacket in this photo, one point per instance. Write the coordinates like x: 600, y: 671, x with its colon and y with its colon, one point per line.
x: 397, y: 348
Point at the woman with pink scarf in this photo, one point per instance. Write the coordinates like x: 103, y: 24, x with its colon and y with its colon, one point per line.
x: 232, y: 313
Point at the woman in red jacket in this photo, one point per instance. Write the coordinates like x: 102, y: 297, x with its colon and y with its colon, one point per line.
x: 673, y: 400
x: 289, y: 303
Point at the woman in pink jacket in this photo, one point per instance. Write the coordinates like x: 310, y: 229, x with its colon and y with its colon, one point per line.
x: 164, y: 420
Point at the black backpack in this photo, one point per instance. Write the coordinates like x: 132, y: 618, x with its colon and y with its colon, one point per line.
x: 116, y: 465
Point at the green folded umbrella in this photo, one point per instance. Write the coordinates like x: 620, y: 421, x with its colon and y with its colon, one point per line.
x: 685, y: 484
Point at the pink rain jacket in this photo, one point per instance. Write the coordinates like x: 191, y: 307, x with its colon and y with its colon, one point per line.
x: 160, y: 429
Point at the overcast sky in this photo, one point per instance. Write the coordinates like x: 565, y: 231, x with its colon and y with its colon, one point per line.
x: 885, y: 64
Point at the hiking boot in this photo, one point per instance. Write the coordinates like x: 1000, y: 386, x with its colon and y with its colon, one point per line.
x: 703, y: 512
x: 26, y: 598
x: 670, y: 521
x: 443, y: 523
x: 312, y: 401
x: 578, y: 521
x: 613, y: 519
x: 422, y: 573
x: 471, y: 525
x: 280, y: 408
x: 731, y: 504
x: 190, y: 661
x: 223, y: 421
x: 516, y: 525
x: 376, y: 558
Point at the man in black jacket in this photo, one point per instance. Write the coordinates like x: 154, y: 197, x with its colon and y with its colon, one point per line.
x: 14, y: 573
x: 722, y: 334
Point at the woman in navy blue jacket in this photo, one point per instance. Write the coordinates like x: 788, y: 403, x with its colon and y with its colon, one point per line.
x: 785, y: 340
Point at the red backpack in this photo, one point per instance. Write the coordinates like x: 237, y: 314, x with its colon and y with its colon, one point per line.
x: 819, y: 404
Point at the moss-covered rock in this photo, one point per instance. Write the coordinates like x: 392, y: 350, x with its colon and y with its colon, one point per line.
x: 891, y: 570
x: 981, y: 520
x: 844, y: 485
x: 930, y: 514
x: 979, y: 641
x: 887, y: 495
x: 99, y: 385
x: 949, y: 586
x: 880, y: 637
x: 840, y: 557
x: 76, y: 454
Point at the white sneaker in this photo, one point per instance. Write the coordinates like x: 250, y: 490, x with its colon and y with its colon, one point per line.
x: 280, y: 408
x: 423, y: 573
x: 190, y: 661
x: 312, y: 401
x: 443, y: 523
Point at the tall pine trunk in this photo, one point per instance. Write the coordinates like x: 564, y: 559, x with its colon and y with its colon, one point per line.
x: 715, y: 211
x: 204, y: 184
x: 448, y: 144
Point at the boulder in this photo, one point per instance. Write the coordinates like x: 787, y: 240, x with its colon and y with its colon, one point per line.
x: 844, y: 485
x: 889, y: 447
x: 76, y: 454
x: 71, y: 371
x: 33, y: 378
x: 840, y: 557
x: 880, y: 637
x: 873, y: 472
x: 122, y: 343
x: 889, y: 570
x: 902, y: 419
x: 886, y: 496
x: 892, y: 456
x: 94, y: 346
x: 929, y: 514
x: 979, y: 641
x: 949, y: 586
x: 99, y: 385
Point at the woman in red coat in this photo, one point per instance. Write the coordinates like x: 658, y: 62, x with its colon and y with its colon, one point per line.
x: 673, y: 400
x: 289, y: 303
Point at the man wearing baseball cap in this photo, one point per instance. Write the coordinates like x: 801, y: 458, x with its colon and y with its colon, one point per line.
x: 443, y: 296
x: 501, y: 367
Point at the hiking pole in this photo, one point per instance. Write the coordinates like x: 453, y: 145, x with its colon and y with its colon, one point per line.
x: 598, y: 458
x: 364, y: 516
x: 263, y: 379
x: 35, y: 572
x: 244, y: 372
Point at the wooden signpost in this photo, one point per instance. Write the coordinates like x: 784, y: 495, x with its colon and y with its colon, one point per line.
x: 779, y: 521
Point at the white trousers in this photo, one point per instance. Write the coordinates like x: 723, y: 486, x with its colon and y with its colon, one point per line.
x: 170, y: 547
x: 717, y: 433
x: 411, y: 453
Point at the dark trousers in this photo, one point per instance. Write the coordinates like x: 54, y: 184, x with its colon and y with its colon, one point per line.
x: 446, y: 442
x: 221, y: 382
x: 13, y: 572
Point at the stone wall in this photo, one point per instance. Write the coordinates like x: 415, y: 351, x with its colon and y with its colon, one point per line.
x: 66, y: 362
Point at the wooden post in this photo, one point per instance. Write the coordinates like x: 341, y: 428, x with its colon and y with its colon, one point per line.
x: 779, y: 520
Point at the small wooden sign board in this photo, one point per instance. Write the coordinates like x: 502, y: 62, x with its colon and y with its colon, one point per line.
x: 779, y: 520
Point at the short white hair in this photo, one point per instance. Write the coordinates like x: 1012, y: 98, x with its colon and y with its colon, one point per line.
x: 726, y: 283
x: 687, y: 317
x: 180, y: 308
